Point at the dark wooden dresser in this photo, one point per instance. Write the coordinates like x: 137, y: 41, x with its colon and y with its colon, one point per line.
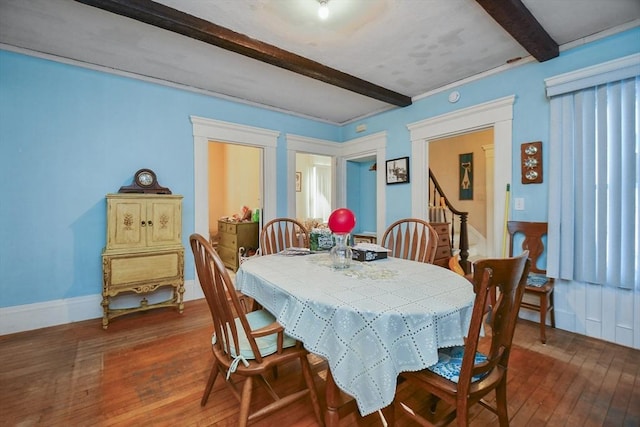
x: 443, y: 251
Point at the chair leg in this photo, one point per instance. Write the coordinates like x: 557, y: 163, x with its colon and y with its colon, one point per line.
x: 210, y: 382
x: 462, y: 413
x: 389, y: 414
x: 313, y: 394
x: 552, y: 312
x: 501, y: 403
x: 433, y: 405
x: 543, y: 318
x: 245, y: 402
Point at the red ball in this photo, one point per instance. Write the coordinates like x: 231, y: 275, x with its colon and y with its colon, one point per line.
x: 342, y: 220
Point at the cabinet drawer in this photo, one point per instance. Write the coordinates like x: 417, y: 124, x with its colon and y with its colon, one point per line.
x: 144, y: 268
x: 443, y: 262
x: 443, y: 252
x: 228, y: 240
x: 441, y: 228
x: 227, y: 227
x: 443, y: 239
x: 228, y: 255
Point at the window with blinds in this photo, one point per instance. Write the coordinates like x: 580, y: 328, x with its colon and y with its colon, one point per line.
x: 594, y: 175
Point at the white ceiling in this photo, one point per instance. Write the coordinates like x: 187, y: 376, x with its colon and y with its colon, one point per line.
x: 408, y: 46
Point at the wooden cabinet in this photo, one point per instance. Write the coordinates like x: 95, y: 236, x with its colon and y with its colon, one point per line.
x: 443, y: 251
x: 234, y: 235
x: 143, y: 252
x: 143, y: 221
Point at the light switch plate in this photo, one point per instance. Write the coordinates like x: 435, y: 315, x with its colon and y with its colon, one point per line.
x: 518, y: 203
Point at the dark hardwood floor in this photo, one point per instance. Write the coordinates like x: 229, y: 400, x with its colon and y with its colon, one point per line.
x: 150, y: 369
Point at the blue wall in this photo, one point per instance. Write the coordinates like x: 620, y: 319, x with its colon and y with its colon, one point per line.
x: 361, y: 195
x: 530, y: 122
x: 69, y: 135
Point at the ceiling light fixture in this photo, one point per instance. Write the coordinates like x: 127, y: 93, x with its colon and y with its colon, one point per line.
x: 323, y: 10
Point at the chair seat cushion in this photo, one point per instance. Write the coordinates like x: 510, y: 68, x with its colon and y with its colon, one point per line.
x: 537, y: 280
x: 450, y: 362
x: 266, y: 345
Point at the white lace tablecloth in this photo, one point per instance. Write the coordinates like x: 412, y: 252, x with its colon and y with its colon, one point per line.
x: 370, y: 321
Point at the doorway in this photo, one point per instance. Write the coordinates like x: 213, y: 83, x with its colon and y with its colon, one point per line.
x: 498, y: 115
x: 362, y: 193
x: 314, y: 187
x: 234, y: 181
x: 473, y: 195
x: 207, y: 130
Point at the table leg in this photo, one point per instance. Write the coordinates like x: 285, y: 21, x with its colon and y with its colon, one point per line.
x: 331, y: 416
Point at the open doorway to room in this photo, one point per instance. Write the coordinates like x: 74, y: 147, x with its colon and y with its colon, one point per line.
x: 497, y: 115
x: 362, y: 197
x: 234, y: 181
x: 313, y: 188
x: 463, y: 166
x: 370, y: 148
x: 234, y: 198
x: 206, y: 131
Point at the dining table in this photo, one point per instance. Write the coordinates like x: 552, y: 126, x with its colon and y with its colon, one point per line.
x: 370, y: 321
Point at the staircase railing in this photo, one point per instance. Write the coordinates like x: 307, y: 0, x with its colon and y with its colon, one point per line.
x: 440, y: 202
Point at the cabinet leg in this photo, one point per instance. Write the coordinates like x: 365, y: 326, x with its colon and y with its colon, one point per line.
x: 105, y: 312
x: 180, y: 295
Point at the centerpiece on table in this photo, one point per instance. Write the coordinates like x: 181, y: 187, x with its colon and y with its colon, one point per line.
x: 341, y: 222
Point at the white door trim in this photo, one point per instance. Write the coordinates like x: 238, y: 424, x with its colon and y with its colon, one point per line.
x: 209, y: 130
x: 497, y: 114
x: 363, y: 147
x: 304, y: 144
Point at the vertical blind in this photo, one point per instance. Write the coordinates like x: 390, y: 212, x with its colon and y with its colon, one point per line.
x: 594, y: 176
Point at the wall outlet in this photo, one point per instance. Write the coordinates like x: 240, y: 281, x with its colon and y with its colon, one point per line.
x: 518, y: 203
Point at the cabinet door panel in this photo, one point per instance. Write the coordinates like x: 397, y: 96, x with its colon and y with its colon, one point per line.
x: 127, y: 230
x: 165, y: 222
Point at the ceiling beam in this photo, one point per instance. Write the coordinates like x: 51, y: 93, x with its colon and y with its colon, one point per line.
x: 165, y: 17
x: 514, y: 17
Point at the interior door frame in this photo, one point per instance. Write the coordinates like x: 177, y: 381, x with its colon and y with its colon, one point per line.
x: 363, y: 148
x: 307, y: 145
x: 206, y: 130
x: 497, y: 114
x: 354, y: 149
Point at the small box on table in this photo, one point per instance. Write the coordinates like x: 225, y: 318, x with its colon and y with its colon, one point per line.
x: 368, y: 252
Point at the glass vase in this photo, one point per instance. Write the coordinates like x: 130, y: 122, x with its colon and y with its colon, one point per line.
x: 341, y: 253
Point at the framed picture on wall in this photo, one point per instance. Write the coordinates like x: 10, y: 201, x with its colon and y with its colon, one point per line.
x: 298, y: 181
x: 466, y: 176
x: 398, y: 171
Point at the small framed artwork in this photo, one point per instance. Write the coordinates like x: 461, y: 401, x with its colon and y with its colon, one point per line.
x: 398, y: 171
x: 466, y: 176
x: 298, y: 182
x: 531, y: 158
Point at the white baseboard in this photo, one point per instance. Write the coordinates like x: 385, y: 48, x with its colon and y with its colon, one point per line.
x: 27, y: 317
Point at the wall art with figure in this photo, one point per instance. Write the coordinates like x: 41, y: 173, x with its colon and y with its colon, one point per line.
x: 466, y: 176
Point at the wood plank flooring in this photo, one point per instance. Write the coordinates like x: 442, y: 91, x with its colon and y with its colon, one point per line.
x: 150, y: 369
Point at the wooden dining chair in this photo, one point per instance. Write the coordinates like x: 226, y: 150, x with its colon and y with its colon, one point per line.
x: 411, y: 238
x: 463, y: 376
x: 539, y: 286
x: 282, y: 233
x: 248, y: 345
